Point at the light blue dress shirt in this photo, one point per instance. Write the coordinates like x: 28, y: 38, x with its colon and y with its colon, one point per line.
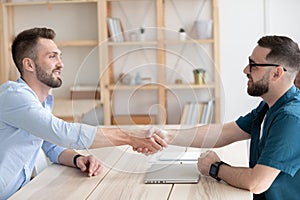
x: 26, y: 125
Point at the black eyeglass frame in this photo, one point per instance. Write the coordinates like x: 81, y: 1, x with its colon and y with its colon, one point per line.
x: 253, y: 64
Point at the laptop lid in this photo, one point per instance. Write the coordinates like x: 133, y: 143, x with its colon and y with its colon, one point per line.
x: 173, y: 173
x: 179, y: 156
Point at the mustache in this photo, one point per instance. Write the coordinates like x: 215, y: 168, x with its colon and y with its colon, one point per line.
x: 57, y: 68
x: 249, y: 76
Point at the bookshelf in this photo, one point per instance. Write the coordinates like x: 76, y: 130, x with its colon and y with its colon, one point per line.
x: 154, y: 56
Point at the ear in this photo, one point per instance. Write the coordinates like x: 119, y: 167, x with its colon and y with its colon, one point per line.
x: 278, y: 72
x: 28, y: 64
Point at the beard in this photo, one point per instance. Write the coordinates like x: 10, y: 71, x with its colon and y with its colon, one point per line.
x: 46, y: 78
x: 258, y: 88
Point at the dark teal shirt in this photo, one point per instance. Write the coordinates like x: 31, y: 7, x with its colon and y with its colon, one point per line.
x: 279, y: 146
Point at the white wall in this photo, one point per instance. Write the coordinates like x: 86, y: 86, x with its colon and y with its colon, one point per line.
x: 242, y: 23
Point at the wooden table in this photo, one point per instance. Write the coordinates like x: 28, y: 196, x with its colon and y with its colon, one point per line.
x: 121, y: 178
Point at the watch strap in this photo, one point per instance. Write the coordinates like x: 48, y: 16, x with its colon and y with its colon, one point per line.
x: 75, y: 160
x: 215, y: 172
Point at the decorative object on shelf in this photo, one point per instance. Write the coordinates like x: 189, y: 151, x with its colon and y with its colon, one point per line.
x: 182, y: 34
x: 203, y: 29
x: 146, y: 80
x: 199, y: 76
x: 138, y: 79
x: 142, y: 34
x: 125, y: 79
x: 178, y: 81
x: 133, y: 36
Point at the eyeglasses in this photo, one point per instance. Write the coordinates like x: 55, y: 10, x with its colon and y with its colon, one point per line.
x: 253, y: 64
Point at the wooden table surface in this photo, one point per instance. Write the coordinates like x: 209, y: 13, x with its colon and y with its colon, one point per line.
x: 121, y: 178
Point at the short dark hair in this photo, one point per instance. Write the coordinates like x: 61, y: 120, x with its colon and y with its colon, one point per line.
x: 25, y: 44
x: 284, y: 51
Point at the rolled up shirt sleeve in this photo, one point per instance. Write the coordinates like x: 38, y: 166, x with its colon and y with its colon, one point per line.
x: 52, y: 151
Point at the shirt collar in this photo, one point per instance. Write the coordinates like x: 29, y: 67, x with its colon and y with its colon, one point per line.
x: 290, y: 94
x: 49, y: 99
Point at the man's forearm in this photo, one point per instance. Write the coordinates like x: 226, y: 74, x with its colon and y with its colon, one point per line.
x: 207, y: 136
x: 256, y: 180
x: 106, y: 137
x: 66, y: 157
x: 200, y: 136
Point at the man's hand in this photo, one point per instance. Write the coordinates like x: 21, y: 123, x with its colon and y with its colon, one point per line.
x: 89, y: 164
x: 205, y: 160
x: 136, y: 137
x: 159, y: 139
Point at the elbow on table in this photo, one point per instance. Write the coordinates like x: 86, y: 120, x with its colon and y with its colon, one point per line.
x: 261, y: 178
x: 257, y: 187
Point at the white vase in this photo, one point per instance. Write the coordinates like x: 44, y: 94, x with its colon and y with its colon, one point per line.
x: 182, y: 35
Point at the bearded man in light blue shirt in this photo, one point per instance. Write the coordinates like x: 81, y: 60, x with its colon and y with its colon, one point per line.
x: 27, y: 125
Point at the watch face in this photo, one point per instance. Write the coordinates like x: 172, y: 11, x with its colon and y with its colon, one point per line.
x: 213, y: 170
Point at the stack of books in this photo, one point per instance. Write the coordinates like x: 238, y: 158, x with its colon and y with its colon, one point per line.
x: 197, y: 113
x: 115, y: 29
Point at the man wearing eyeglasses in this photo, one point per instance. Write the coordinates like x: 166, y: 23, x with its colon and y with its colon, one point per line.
x: 273, y: 127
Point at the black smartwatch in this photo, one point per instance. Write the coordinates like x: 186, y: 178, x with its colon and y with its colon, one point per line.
x: 214, y: 169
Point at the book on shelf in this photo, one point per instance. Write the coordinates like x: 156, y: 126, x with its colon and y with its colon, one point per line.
x: 207, y: 114
x: 196, y: 113
x: 184, y: 115
x: 115, y: 29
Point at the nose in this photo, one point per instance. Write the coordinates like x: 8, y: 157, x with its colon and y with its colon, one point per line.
x: 60, y: 62
x: 247, y: 69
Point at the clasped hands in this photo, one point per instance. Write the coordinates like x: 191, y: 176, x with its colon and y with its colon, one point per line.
x: 155, y: 140
x: 149, y: 142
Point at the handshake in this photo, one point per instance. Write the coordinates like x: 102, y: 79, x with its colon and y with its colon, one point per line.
x: 154, y: 140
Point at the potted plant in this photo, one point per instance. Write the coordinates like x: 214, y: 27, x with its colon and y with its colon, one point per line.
x: 182, y: 34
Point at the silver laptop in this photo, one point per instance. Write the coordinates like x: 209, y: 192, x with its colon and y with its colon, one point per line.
x: 179, y: 156
x: 173, y: 173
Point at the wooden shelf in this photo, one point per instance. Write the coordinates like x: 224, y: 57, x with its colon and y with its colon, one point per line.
x: 144, y: 43
x: 32, y: 3
x: 126, y: 0
x: 77, y: 43
x: 190, y: 86
x: 188, y: 41
x: 157, y: 86
x: 133, y: 87
x: 132, y: 43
